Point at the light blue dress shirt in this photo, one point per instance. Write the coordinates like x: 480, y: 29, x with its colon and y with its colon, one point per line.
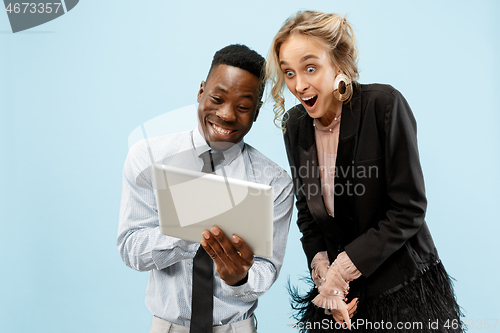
x: 170, y: 260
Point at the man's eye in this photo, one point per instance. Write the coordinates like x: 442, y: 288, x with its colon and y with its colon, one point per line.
x: 311, y: 69
x: 216, y: 100
x: 243, y: 108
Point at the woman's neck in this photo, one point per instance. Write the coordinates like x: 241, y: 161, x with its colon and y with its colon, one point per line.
x: 331, y: 115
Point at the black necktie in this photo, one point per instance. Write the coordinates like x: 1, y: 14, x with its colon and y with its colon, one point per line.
x: 210, y: 160
x: 202, y: 300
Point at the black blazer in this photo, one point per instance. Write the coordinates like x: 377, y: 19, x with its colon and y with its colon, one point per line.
x: 380, y: 198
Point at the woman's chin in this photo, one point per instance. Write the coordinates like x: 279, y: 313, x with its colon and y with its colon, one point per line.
x: 315, y: 112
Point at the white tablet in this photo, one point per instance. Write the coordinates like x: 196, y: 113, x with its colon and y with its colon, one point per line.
x: 190, y: 201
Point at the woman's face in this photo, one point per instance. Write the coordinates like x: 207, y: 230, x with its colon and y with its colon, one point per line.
x: 309, y: 75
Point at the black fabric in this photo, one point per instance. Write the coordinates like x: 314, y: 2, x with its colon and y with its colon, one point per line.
x: 202, y: 305
x: 423, y: 304
x: 210, y: 160
x: 202, y: 302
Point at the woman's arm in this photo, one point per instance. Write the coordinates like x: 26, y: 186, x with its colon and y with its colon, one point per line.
x: 405, y: 191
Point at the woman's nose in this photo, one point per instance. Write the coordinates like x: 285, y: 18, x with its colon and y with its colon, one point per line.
x: 301, y: 84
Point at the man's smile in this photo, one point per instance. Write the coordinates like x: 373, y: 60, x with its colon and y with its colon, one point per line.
x: 220, y: 130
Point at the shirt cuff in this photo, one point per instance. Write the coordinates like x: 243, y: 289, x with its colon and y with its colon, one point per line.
x: 238, y: 291
x: 349, y: 271
x: 319, y: 259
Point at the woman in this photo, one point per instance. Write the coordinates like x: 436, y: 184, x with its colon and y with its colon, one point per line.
x: 361, y: 202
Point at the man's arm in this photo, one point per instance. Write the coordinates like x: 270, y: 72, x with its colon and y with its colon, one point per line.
x: 244, y: 276
x: 140, y: 242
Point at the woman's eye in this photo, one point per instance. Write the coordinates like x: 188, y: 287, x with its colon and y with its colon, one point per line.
x: 289, y: 73
x: 311, y: 69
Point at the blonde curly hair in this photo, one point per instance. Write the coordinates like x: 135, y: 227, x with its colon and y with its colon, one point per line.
x: 332, y: 30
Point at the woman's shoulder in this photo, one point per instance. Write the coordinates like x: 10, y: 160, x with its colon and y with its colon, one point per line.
x: 377, y: 96
x: 385, y: 102
x: 377, y: 90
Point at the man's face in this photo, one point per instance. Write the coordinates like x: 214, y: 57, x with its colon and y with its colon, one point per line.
x: 228, y: 105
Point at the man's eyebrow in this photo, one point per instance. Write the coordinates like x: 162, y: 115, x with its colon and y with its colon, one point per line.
x: 221, y: 89
x: 304, y: 58
x: 249, y: 95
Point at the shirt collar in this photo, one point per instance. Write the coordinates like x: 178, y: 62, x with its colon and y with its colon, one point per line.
x: 201, y: 146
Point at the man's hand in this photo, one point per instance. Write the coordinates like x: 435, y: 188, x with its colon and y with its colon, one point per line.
x: 232, y: 259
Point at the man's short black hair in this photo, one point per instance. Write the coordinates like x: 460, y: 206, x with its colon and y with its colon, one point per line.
x: 241, y: 56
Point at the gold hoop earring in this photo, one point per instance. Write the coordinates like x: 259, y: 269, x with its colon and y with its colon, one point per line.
x: 342, y: 87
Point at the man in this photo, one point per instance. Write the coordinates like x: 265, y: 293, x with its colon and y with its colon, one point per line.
x: 229, y: 102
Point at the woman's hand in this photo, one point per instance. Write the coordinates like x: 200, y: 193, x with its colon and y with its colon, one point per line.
x: 319, y: 267
x: 332, y: 294
x: 339, y: 316
x: 333, y: 290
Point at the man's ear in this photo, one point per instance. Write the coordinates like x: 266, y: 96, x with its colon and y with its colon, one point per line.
x: 257, y: 111
x: 200, y: 92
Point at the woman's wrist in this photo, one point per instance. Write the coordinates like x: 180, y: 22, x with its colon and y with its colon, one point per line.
x: 346, y: 267
x: 319, y: 267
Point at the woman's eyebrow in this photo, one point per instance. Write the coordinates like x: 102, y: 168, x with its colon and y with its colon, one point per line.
x: 309, y: 56
x: 304, y: 58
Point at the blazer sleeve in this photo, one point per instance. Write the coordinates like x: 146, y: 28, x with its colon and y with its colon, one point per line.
x: 312, y: 237
x: 405, y: 191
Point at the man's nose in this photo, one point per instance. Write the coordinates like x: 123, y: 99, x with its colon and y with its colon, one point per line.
x: 226, y: 113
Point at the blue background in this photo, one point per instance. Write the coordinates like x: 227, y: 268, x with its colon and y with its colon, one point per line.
x: 72, y: 90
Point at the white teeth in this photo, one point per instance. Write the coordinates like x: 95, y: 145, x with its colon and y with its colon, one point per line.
x: 220, y: 130
x: 307, y: 98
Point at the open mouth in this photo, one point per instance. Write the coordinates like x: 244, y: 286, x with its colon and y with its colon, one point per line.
x: 310, y: 101
x: 221, y: 131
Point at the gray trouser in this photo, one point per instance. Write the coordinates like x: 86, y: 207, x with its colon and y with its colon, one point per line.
x: 163, y: 326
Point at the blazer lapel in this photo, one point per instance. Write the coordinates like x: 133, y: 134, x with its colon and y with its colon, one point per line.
x: 348, y: 137
x: 308, y: 161
x: 309, y: 169
x: 345, y: 165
